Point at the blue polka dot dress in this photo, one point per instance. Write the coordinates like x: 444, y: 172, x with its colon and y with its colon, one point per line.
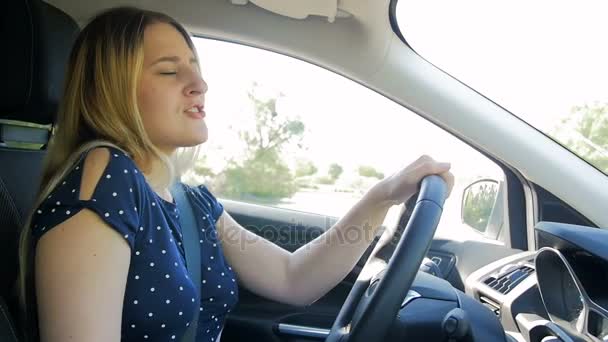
x: 160, y: 299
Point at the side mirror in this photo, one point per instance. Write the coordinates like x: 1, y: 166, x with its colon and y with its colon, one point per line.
x: 482, y: 207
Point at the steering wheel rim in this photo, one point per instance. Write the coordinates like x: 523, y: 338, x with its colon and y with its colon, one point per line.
x: 372, y: 304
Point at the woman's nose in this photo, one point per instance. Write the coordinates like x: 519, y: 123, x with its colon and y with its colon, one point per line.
x: 197, y: 85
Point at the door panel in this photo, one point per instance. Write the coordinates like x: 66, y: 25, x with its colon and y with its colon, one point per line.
x: 258, y: 319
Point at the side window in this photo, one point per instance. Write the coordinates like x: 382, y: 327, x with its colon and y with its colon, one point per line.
x: 287, y: 134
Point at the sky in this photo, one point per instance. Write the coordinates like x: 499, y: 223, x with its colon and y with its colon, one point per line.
x: 536, y: 58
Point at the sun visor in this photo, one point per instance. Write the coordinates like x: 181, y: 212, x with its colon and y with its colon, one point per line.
x: 299, y: 9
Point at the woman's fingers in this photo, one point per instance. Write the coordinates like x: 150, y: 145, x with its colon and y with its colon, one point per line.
x: 449, y: 180
x: 429, y: 167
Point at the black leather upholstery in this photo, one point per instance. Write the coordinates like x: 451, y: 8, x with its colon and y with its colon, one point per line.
x: 37, y: 38
x: 8, y: 333
x: 19, y: 179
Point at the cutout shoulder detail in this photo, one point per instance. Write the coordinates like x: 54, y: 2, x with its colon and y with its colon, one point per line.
x: 95, y: 163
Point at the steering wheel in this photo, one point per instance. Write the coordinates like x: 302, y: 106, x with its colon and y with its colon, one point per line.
x: 373, y: 302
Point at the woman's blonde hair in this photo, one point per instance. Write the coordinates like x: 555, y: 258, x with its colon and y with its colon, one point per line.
x: 98, y: 107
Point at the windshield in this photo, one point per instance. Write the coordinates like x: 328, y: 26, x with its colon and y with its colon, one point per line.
x: 544, y: 61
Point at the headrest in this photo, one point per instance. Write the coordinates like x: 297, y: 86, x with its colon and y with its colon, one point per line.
x: 37, y: 38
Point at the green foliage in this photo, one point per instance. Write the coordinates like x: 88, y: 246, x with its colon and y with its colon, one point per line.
x: 306, y: 183
x: 478, y: 203
x: 272, y: 131
x: 305, y: 168
x: 335, y: 171
x: 369, y: 171
x: 264, y: 175
x: 326, y: 180
x: 590, y: 122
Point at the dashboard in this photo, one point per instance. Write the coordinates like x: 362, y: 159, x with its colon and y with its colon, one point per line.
x: 558, y: 293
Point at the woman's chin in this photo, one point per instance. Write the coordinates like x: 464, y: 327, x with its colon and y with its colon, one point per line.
x: 192, y: 143
x: 198, y: 137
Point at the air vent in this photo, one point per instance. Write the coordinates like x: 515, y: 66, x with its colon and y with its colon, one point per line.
x: 490, y: 304
x: 507, y: 282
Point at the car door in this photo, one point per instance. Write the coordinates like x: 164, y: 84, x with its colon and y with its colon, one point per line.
x: 293, y: 147
x: 258, y: 318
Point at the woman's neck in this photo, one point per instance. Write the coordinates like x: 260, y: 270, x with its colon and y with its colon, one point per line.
x: 154, y: 172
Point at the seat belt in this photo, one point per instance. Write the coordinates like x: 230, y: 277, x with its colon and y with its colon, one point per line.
x: 191, y: 248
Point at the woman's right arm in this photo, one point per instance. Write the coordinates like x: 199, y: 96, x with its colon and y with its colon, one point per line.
x: 81, y: 268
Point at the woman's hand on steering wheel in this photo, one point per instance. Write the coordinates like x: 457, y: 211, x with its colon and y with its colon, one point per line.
x: 400, y: 186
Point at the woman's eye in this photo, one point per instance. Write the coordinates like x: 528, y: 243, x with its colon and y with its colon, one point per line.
x: 169, y: 73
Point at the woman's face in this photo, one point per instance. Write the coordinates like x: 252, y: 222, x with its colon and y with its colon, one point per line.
x: 171, y: 92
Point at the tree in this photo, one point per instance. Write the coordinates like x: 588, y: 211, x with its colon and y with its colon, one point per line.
x: 263, y: 175
x: 305, y: 168
x: 272, y: 131
x: 369, y: 171
x: 478, y: 205
x: 335, y: 171
x: 585, y: 131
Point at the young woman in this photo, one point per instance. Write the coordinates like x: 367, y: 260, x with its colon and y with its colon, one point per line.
x: 102, y: 256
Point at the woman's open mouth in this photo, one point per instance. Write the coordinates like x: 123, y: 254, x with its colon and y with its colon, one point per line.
x: 196, y: 112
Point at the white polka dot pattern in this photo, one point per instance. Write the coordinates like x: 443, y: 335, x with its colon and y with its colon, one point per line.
x: 160, y: 299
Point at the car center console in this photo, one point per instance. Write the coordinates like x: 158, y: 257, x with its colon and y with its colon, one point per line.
x: 509, y: 288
